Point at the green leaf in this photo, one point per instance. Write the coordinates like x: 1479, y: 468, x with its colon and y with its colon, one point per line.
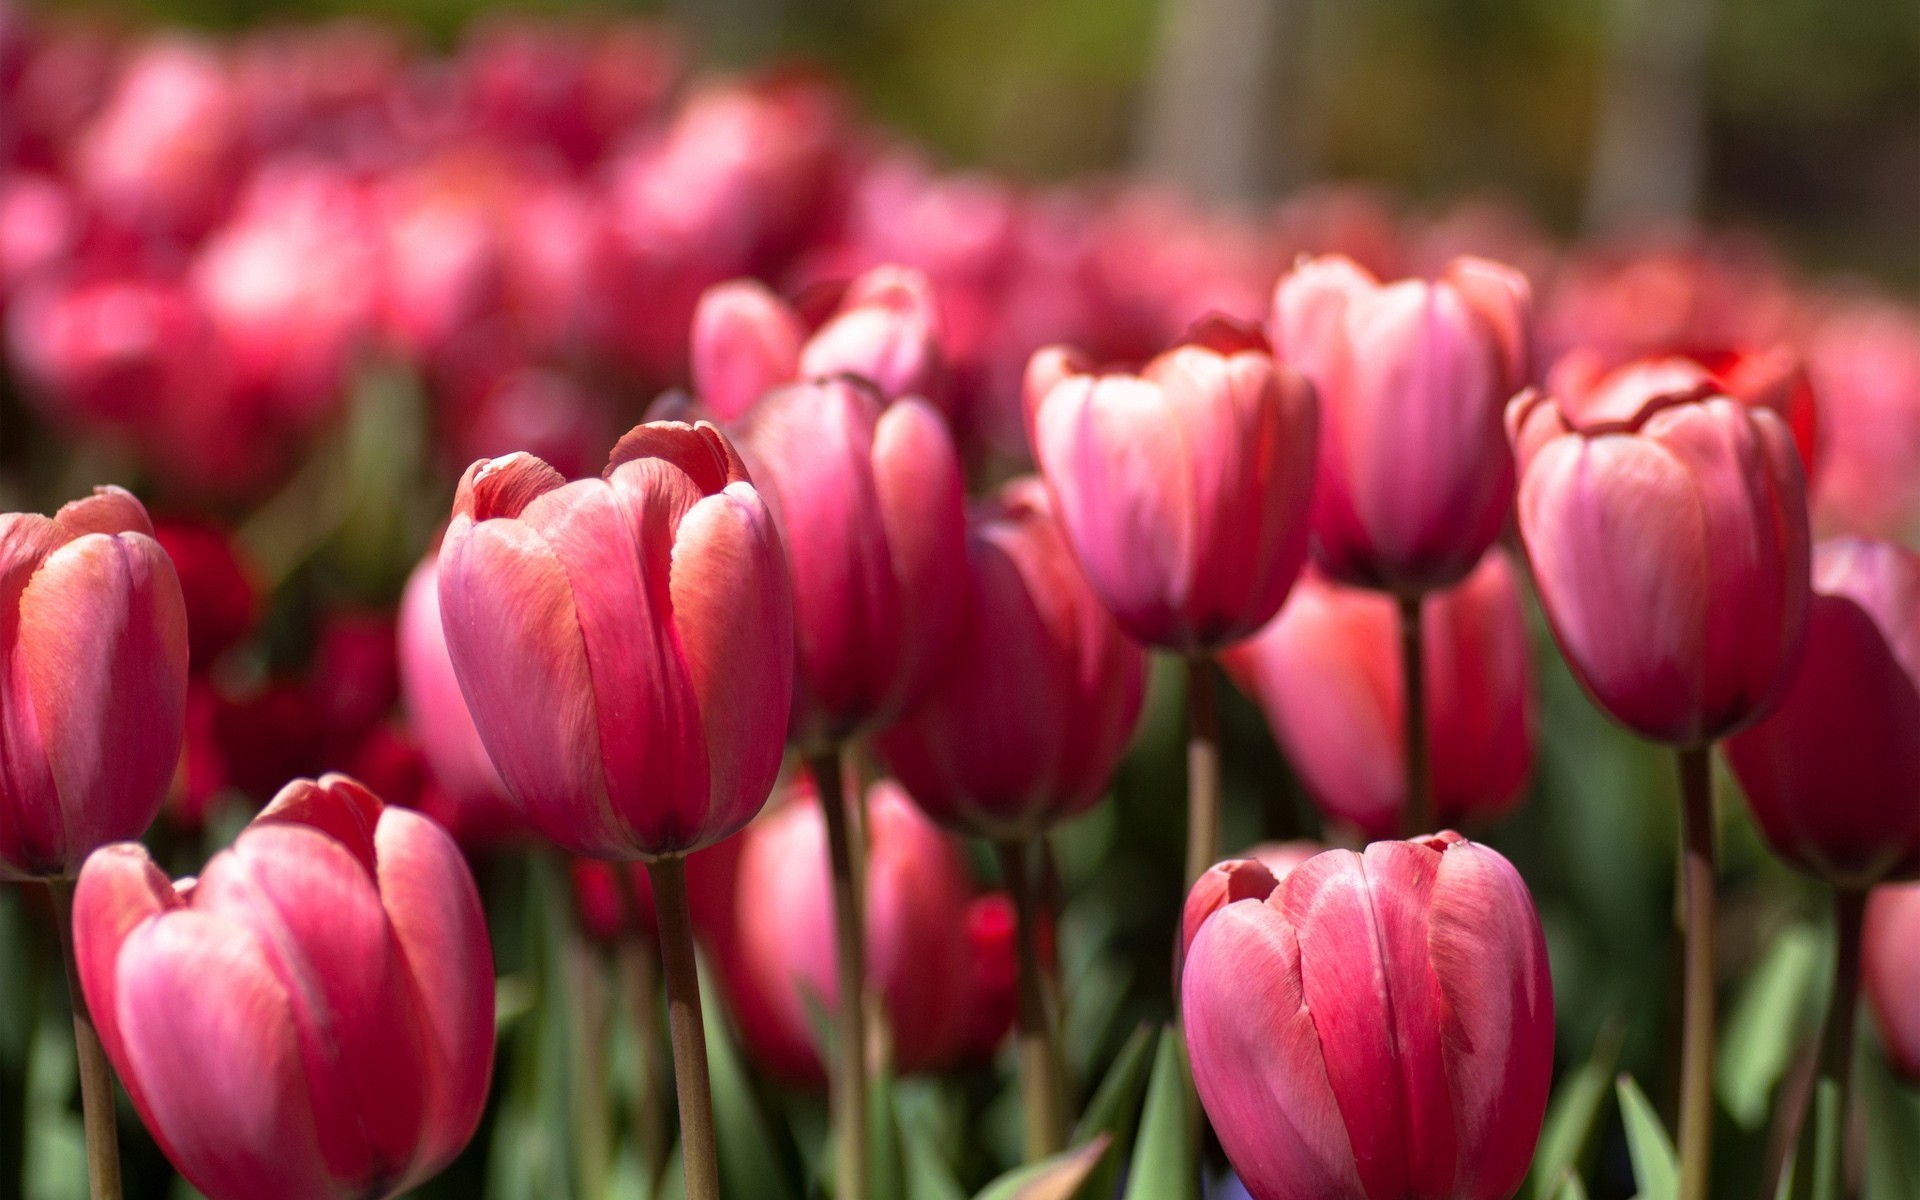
x: 1164, y: 1163
x: 1893, y: 1129
x: 928, y: 1175
x: 750, y: 1158
x: 1058, y: 1178
x: 1579, y: 1105
x: 1115, y: 1107
x: 1768, y: 1021
x: 1656, y: 1168
x: 1570, y: 1188
x: 886, y: 1170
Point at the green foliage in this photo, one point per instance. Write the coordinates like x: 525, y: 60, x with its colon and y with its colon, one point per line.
x: 1164, y: 1167
x: 1656, y: 1168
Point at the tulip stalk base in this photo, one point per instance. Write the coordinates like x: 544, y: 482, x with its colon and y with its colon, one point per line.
x: 1203, y: 767
x: 96, y: 1074
x: 699, y: 1157
x: 1041, y: 1097
x: 1700, y: 870
x: 1822, y: 1158
x: 849, y: 1075
x: 1417, y: 819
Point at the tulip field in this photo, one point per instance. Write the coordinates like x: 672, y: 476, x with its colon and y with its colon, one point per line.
x: 575, y: 625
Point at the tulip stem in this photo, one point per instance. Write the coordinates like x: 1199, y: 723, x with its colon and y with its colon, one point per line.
x: 1418, y: 817
x: 849, y: 1076
x: 1203, y: 767
x: 1836, y: 1047
x: 1040, y: 1092
x: 699, y: 1159
x: 96, y: 1074
x: 1696, y: 1061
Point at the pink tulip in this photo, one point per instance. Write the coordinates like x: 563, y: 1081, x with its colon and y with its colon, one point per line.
x: 1890, y: 972
x: 1864, y: 359
x: 1184, y: 490
x: 1039, y: 671
x: 1832, y: 774
x: 920, y: 953
x: 312, y: 1016
x: 478, y: 804
x: 746, y: 342
x: 1415, y: 475
x: 1668, y: 535
x: 93, y: 642
x: 870, y: 508
x: 625, y: 644
x: 1378, y: 1025
x: 1327, y: 672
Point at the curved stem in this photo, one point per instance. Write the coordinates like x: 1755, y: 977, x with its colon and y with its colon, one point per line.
x: 96, y: 1074
x: 1417, y: 817
x: 699, y: 1158
x: 1203, y: 767
x: 1696, y: 1055
x: 849, y: 1075
x: 1836, y: 1047
x: 1040, y: 1091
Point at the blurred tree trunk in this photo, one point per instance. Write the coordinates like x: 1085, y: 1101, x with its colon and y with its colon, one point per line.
x: 1222, y: 114
x: 1649, y: 148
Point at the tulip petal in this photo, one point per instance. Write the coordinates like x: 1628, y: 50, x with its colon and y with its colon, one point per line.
x: 32, y: 841
x: 746, y: 342
x: 109, y: 510
x: 921, y: 500
x: 336, y: 805
x: 119, y: 890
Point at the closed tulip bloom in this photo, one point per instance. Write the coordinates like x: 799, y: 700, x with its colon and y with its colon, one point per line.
x: 746, y: 342
x: 869, y: 503
x: 1890, y: 972
x: 1040, y: 672
x: 1184, y: 490
x: 1327, y: 673
x: 625, y: 643
x: 1668, y: 535
x: 1832, y: 774
x: 1377, y: 1026
x: 1415, y: 476
x: 93, y: 681
x: 312, y: 1016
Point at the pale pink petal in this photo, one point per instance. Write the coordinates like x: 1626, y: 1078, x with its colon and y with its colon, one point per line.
x: 119, y: 890
x: 501, y: 487
x: 336, y: 805
x: 746, y: 341
x: 921, y: 499
x: 108, y: 510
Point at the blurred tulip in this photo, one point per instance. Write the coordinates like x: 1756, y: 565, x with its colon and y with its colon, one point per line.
x: 1327, y: 673
x: 1890, y: 971
x: 1864, y: 358
x: 218, y: 583
x: 93, y: 632
x: 312, y: 1016
x: 1040, y: 672
x: 615, y: 900
x: 1415, y: 477
x: 1668, y: 536
x: 1378, y: 1025
x: 919, y: 948
x: 355, y: 676
x: 870, y: 508
x: 746, y: 342
x: 1832, y: 774
x: 1184, y: 490
x: 624, y: 643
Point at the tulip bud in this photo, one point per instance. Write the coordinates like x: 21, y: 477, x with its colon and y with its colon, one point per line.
x: 1040, y: 672
x: 313, y: 1016
x: 93, y: 632
x: 1379, y: 1024
x: 625, y: 644
x: 1415, y: 477
x: 871, y: 512
x: 1832, y: 774
x: 746, y: 342
x: 1890, y: 972
x: 1327, y: 673
x: 1184, y: 490
x: 1667, y: 531
x: 887, y: 332
x: 919, y: 948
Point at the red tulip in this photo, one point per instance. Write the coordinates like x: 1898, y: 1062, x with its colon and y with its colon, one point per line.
x: 1327, y: 673
x: 625, y: 643
x: 1378, y: 1025
x: 1040, y: 672
x: 1184, y: 490
x: 1832, y: 774
x: 870, y: 507
x: 312, y: 1016
x: 920, y: 953
x: 614, y: 900
x: 216, y: 581
x: 1415, y: 475
x: 93, y: 638
x: 1668, y: 535
x: 1890, y: 972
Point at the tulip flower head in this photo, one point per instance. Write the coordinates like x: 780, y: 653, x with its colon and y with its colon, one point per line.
x: 311, y: 1017
x: 1374, y: 1025
x: 625, y: 643
x: 93, y: 638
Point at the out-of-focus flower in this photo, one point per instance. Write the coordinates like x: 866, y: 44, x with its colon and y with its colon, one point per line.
x: 1864, y: 359
x: 1890, y: 972
x: 218, y: 583
x: 312, y: 1016
x: 615, y: 900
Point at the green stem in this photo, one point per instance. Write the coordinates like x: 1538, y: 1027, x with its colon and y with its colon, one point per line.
x: 1203, y: 767
x: 699, y: 1158
x: 1697, y: 1033
x: 1417, y: 818
x: 1836, y: 1049
x: 96, y: 1074
x: 849, y: 1074
x: 1041, y: 1096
